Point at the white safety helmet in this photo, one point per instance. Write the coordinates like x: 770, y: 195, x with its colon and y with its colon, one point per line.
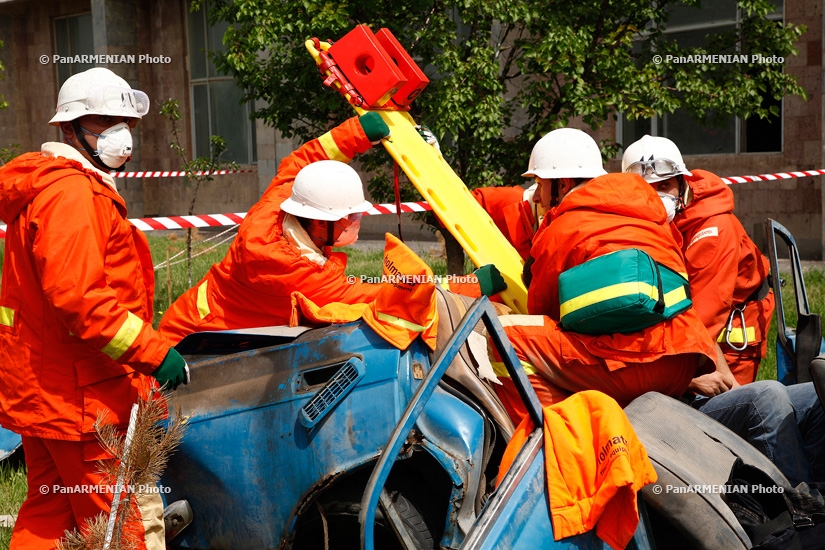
x: 654, y: 158
x: 98, y: 91
x: 326, y: 190
x: 565, y: 153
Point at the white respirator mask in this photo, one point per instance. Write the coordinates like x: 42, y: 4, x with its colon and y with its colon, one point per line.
x: 114, y: 145
x: 670, y: 203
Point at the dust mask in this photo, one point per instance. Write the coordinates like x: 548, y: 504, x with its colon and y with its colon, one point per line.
x: 670, y: 203
x: 114, y: 145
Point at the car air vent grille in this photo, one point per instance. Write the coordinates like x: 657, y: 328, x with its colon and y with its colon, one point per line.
x: 332, y: 393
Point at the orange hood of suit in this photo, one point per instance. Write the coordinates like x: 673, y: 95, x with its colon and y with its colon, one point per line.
x: 609, y: 213
x: 76, y: 300
x: 253, y: 285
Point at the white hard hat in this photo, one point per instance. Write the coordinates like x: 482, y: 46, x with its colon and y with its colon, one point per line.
x: 326, y: 190
x: 98, y: 91
x: 565, y: 153
x: 654, y: 158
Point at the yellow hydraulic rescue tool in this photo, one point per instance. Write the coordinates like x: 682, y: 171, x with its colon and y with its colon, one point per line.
x: 374, y: 73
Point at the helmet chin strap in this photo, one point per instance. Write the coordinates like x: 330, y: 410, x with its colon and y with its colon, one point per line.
x: 330, y: 234
x: 554, y: 192
x: 326, y: 250
x: 684, y: 189
x: 81, y: 137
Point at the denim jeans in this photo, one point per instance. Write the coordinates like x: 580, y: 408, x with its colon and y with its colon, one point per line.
x: 785, y: 423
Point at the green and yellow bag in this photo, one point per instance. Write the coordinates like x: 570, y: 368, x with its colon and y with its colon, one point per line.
x: 623, y: 291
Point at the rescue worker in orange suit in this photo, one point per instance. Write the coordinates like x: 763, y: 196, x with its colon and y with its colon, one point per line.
x: 76, y: 335
x: 591, y: 213
x: 285, y: 242
x: 727, y: 272
x: 728, y: 275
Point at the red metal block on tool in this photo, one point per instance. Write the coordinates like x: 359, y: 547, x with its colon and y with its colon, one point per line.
x: 416, y: 79
x: 368, y: 66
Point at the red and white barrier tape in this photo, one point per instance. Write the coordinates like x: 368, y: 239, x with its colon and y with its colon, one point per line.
x: 179, y: 173
x: 406, y: 208
x: 218, y: 220
x: 176, y: 173
x: 772, y: 177
x: 185, y: 222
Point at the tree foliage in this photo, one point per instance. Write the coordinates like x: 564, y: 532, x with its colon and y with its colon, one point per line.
x: 197, y: 170
x: 505, y: 72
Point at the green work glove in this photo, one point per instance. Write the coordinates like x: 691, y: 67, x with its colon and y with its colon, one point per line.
x: 374, y: 126
x: 173, y: 371
x: 490, y: 280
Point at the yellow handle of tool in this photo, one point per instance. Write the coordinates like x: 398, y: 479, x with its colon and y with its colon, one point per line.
x: 450, y: 199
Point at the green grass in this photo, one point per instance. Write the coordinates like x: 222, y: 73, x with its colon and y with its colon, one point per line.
x: 369, y: 263
x: 12, y: 494
x: 171, y: 282
x: 815, y: 288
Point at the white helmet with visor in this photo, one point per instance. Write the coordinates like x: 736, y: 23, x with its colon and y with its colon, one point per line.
x: 654, y: 158
x: 98, y: 91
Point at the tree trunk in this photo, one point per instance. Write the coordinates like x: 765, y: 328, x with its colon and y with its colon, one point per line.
x: 189, y: 258
x: 455, y: 254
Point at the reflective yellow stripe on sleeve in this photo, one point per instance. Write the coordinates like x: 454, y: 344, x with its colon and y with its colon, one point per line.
x: 736, y: 336
x: 6, y: 316
x: 331, y: 148
x: 125, y: 337
x: 399, y: 322
x: 501, y: 370
x: 203, y: 301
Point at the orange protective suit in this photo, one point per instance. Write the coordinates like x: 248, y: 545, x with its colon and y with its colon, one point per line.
x: 608, y: 213
x: 726, y: 270
x: 511, y: 213
x: 253, y: 284
x: 75, y: 323
x: 595, y: 467
x: 404, y: 309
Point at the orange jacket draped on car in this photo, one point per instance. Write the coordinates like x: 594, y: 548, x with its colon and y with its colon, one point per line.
x: 253, y: 284
x: 725, y: 269
x: 76, y: 301
x: 609, y: 213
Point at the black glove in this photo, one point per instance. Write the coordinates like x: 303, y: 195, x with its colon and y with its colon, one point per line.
x: 527, y: 272
x: 490, y: 280
x: 173, y: 371
x: 374, y: 126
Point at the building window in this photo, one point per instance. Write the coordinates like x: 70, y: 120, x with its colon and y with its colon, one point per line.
x: 690, y: 26
x: 73, y: 37
x: 216, y: 98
